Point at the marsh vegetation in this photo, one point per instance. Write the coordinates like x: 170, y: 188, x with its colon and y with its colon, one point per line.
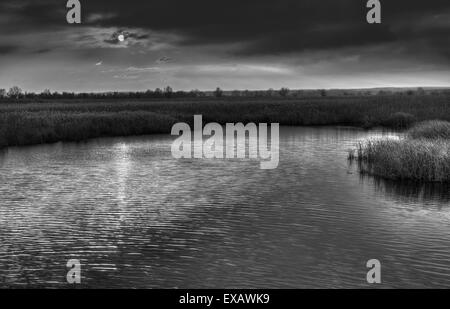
x: 46, y: 121
x: 423, y: 154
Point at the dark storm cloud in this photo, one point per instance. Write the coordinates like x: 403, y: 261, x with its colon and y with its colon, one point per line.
x: 7, y: 49
x: 234, y: 44
x: 272, y: 27
x: 254, y: 26
x: 27, y: 15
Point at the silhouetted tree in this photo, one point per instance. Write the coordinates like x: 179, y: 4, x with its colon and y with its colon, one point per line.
x: 2, y: 93
x: 218, y: 92
x: 158, y: 93
x: 283, y: 92
x: 15, y: 92
x: 168, y: 92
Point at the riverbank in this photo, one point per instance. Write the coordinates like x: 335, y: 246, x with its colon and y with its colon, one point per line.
x: 422, y: 155
x: 28, y: 123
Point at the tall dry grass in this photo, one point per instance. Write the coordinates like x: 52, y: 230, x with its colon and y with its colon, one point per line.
x: 433, y: 129
x: 28, y: 128
x: 423, y: 155
x: 69, y: 120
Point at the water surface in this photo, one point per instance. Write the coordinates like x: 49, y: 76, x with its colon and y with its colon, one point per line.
x: 136, y: 217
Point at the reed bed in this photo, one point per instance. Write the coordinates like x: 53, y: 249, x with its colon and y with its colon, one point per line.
x: 433, y: 129
x: 30, y: 128
x: 26, y: 123
x: 414, y: 157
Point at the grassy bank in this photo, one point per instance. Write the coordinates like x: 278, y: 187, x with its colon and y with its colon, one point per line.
x: 423, y: 155
x: 430, y: 130
x: 29, y: 128
x: 25, y: 123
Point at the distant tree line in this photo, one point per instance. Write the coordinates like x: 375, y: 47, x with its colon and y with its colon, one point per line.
x: 16, y: 93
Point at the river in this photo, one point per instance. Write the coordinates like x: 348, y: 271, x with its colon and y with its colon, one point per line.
x: 137, y: 218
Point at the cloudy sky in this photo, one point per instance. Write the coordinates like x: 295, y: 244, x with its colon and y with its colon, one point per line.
x: 234, y: 44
